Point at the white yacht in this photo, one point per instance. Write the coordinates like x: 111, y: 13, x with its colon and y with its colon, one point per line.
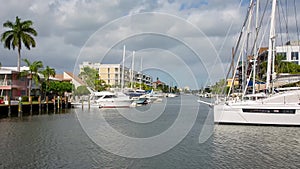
x: 278, y: 109
x: 106, y: 99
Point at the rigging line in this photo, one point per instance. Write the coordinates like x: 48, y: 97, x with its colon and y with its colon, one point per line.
x: 284, y: 16
x: 295, y: 10
x: 287, y: 20
x: 239, y: 39
x: 227, y: 33
x: 256, y: 54
x: 280, y: 24
x: 260, y: 23
x: 255, y: 40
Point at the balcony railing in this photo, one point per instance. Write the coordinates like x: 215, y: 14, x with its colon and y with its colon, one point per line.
x: 5, y: 82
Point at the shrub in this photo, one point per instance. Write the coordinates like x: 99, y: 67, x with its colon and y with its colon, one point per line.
x: 25, y: 99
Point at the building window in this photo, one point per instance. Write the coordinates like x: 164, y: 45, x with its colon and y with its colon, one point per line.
x: 22, y: 79
x: 282, y: 54
x: 294, y: 56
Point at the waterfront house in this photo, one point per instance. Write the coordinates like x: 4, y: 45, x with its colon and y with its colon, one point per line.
x: 11, y: 83
x: 70, y: 77
x: 158, y: 83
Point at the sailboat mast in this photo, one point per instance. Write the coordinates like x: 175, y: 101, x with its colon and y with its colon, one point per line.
x: 245, y: 64
x: 141, y: 72
x: 123, y: 67
x: 255, y: 48
x: 132, y: 71
x: 271, y: 49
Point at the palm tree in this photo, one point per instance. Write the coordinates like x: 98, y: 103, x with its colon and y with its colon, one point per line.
x: 32, y: 73
x: 48, y: 72
x: 20, y: 32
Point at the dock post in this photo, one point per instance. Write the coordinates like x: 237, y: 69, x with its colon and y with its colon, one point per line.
x: 65, y: 102
x: 20, y: 107
x: 81, y: 102
x: 30, y: 102
x: 89, y: 103
x: 9, y: 108
x: 47, y: 100
x: 40, y: 105
x: 58, y: 99
x: 61, y: 102
x: 54, y: 105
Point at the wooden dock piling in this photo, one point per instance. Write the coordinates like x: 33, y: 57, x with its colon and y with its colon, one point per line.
x: 9, y: 106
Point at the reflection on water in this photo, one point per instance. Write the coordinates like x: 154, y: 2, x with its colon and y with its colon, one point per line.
x: 58, y: 141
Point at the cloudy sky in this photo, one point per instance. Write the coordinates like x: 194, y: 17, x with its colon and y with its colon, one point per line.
x: 184, y: 43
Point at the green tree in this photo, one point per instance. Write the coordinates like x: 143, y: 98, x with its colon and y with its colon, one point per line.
x: 32, y: 73
x: 59, y: 88
x: 91, y: 77
x: 219, y: 87
x: 48, y: 72
x: 100, y: 85
x: 281, y: 66
x: 19, y: 33
x: 81, y: 90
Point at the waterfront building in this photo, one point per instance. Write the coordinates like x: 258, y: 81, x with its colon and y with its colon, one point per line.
x: 289, y: 51
x: 69, y: 77
x: 158, y: 83
x: 12, y: 84
x: 112, y: 74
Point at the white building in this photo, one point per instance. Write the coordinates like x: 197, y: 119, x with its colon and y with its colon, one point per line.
x: 289, y: 51
x: 112, y: 74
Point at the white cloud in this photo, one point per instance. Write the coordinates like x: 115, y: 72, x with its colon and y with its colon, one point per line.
x: 88, y: 29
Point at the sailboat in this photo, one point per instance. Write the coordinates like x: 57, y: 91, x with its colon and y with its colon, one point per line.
x: 272, y: 107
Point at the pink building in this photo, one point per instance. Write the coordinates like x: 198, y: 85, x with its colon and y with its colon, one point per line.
x: 11, y: 83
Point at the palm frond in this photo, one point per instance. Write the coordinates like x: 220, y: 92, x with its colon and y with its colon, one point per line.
x: 8, y: 24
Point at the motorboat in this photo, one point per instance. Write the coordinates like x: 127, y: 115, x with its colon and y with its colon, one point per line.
x: 107, y: 99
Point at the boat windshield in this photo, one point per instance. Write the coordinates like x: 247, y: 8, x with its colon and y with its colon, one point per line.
x: 109, y: 96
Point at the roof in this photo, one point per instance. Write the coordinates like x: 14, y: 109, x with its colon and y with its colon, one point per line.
x: 75, y: 78
x: 158, y: 82
x: 9, y: 70
x: 59, y: 76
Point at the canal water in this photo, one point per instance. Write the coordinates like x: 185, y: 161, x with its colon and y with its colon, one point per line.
x: 74, y: 139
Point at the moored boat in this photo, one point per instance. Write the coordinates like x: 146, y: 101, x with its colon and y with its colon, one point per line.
x: 106, y: 99
x: 273, y: 107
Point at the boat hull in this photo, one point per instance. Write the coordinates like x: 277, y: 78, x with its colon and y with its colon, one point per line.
x: 84, y: 104
x: 115, y: 104
x: 257, y: 114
